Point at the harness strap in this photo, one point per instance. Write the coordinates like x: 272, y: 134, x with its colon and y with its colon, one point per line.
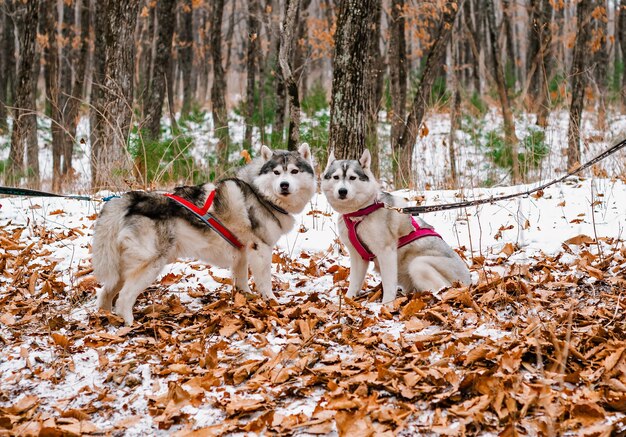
x: 208, y: 218
x: 417, y: 233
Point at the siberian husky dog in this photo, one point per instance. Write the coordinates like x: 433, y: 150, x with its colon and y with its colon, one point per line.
x: 137, y: 234
x: 406, y: 252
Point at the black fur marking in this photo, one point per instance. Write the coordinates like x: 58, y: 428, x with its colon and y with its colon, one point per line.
x: 304, y: 167
x: 361, y: 174
x: 155, y: 206
x: 254, y: 222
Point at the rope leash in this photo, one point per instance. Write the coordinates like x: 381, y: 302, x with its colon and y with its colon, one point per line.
x: 415, y: 210
x: 412, y: 210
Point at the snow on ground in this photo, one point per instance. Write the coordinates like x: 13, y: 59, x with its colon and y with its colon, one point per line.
x: 537, y: 342
x: 82, y: 371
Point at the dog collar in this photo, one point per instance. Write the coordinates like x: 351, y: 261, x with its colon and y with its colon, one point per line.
x: 417, y: 233
x: 208, y: 218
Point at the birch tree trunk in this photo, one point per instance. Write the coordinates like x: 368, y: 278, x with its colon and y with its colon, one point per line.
x: 349, y: 105
x: 579, y: 81
x: 434, y: 59
x: 114, y: 76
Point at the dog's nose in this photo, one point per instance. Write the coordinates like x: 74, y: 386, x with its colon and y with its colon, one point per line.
x: 284, y: 185
x: 343, y: 192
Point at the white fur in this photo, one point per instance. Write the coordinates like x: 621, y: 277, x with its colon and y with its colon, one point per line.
x: 425, y: 264
x: 128, y: 254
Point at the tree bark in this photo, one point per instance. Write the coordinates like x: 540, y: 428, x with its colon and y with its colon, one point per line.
x: 284, y: 59
x: 112, y: 106
x: 349, y: 105
x: 434, y: 58
x: 6, y: 51
x: 153, y: 101
x: 510, y: 138
x: 24, y: 119
x: 600, y: 22
x: 579, y: 81
x: 533, y: 56
x: 621, y: 33
x: 253, y: 43
x: 145, y: 61
x: 52, y: 75
x: 375, y: 83
x: 546, y: 64
x: 397, y: 75
x: 79, y: 61
x: 185, y: 44
x: 218, y: 89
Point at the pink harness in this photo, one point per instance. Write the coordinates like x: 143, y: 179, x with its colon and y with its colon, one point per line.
x: 365, y: 253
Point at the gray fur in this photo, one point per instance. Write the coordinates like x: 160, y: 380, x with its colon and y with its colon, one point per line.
x: 138, y: 234
x: 425, y: 264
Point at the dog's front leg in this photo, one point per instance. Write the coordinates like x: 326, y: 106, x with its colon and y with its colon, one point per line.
x: 358, y: 269
x: 261, y: 264
x: 388, y: 264
x: 240, y: 270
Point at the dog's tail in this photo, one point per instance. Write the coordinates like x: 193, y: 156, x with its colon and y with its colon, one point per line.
x: 106, y: 250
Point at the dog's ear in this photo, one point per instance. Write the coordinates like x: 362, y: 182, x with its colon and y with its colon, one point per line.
x: 331, y: 158
x: 305, y: 151
x: 366, y: 159
x: 266, y: 153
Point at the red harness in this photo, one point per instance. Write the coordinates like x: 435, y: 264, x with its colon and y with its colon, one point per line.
x: 365, y: 253
x: 208, y: 218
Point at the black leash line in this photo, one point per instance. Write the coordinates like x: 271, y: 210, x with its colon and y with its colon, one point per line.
x: 415, y: 210
x: 36, y: 193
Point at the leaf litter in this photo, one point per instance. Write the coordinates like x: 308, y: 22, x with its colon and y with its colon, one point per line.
x: 536, y: 346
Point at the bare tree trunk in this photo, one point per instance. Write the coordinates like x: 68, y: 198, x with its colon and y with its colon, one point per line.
x: 145, y: 46
x: 218, y: 90
x: 301, y: 51
x: 621, y: 33
x: 26, y: 17
x: 434, y: 58
x: 470, y: 32
x: 153, y: 102
x: 375, y: 82
x: 185, y: 44
x: 510, y: 65
x: 397, y: 75
x: 510, y: 138
x: 349, y: 105
x: 284, y: 58
x: 251, y: 64
x: 455, y: 109
x: 114, y: 100
x: 6, y: 26
x: 533, y: 56
x: 600, y: 22
x: 52, y: 75
x: 79, y: 62
x: 579, y: 81
x: 546, y: 64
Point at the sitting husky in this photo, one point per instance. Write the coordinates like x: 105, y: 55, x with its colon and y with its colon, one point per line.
x: 139, y: 233
x: 406, y: 252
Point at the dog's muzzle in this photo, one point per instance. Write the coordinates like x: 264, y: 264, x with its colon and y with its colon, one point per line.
x: 343, y: 193
x: 284, y: 188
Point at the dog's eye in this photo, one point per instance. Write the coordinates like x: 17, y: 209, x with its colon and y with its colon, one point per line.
x: 353, y: 178
x: 336, y: 177
x: 294, y: 171
x: 276, y: 172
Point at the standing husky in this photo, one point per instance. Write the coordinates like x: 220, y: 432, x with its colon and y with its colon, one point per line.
x: 139, y: 233
x: 406, y: 253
